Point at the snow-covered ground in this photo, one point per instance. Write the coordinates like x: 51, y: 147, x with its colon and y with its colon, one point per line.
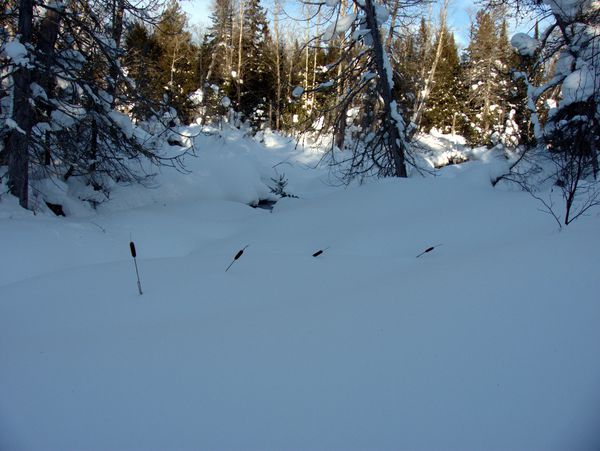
x: 490, y: 341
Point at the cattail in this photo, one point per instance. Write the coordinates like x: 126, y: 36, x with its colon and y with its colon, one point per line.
x: 429, y: 249
x: 137, y: 273
x: 238, y: 255
x: 319, y: 252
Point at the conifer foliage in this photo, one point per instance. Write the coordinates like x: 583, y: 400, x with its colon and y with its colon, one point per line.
x: 445, y: 104
x: 255, y: 82
x: 162, y: 61
x: 488, y: 78
x: 217, y: 51
x: 177, y: 61
x: 63, y: 87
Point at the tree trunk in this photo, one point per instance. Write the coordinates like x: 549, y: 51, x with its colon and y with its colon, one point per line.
x: 340, y: 126
x: 313, y: 102
x: 307, y: 56
x: 48, y: 35
x: 117, y: 32
x: 340, y: 130
x: 278, y: 64
x: 385, y: 91
x: 240, y: 53
x: 390, y: 37
x: 206, y: 82
x: 19, y: 139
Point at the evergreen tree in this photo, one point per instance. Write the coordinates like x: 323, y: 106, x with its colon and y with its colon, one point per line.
x: 488, y: 81
x: 256, y: 82
x: 142, y: 53
x: 177, y: 61
x: 61, y: 120
x: 292, y: 111
x: 511, y: 99
x: 219, y: 47
x: 445, y: 104
x: 410, y: 54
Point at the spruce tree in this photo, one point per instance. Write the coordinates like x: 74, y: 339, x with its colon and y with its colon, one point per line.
x: 176, y: 64
x: 488, y: 80
x: 256, y: 82
x: 65, y: 119
x: 510, y: 100
x: 445, y: 102
x: 219, y: 46
x: 142, y: 53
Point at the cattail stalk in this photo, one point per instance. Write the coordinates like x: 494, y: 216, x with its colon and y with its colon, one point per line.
x: 238, y: 255
x: 137, y: 273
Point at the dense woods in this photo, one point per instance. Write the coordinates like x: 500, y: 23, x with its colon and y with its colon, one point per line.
x: 88, y: 87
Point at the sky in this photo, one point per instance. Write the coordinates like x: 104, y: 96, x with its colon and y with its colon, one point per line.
x: 458, y: 15
x: 198, y: 10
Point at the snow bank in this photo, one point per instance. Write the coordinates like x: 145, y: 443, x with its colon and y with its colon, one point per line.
x: 221, y: 168
x: 487, y: 342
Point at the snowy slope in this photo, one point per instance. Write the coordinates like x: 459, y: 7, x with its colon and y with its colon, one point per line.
x: 490, y: 341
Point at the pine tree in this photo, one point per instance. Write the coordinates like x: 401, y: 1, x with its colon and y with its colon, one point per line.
x: 61, y: 121
x: 256, y: 82
x: 481, y: 77
x: 488, y: 80
x: 410, y: 55
x: 142, y: 53
x: 292, y: 109
x: 219, y: 45
x: 445, y: 102
x: 177, y: 60
x: 510, y: 101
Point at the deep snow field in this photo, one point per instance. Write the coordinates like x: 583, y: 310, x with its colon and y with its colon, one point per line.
x: 489, y: 342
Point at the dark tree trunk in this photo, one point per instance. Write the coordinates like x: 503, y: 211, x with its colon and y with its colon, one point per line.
x: 48, y: 35
x: 385, y: 91
x: 93, y: 146
x: 340, y: 129
x: 117, y: 33
x: 19, y: 139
